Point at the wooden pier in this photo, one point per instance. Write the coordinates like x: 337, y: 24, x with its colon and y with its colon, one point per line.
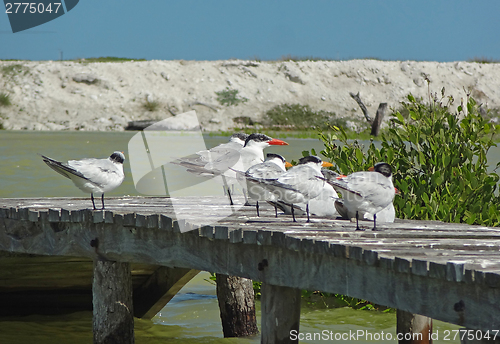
x: 53, y: 252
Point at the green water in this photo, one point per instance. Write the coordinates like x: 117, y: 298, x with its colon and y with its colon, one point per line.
x: 192, y: 316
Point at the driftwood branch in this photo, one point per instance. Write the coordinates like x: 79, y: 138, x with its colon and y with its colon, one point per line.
x: 362, y: 106
x: 213, y: 107
x: 377, y: 121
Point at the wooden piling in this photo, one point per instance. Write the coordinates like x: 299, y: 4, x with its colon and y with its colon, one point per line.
x: 414, y: 328
x: 280, y: 308
x: 112, y: 300
x: 237, y: 306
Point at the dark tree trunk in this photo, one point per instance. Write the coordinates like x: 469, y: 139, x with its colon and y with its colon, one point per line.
x: 113, y: 320
x: 237, y: 306
x: 378, y: 119
x: 375, y: 123
x: 417, y: 328
x: 280, y: 308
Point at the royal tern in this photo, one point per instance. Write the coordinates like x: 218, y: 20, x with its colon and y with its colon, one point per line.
x: 299, y: 184
x: 226, y: 165
x: 321, y: 205
x: 95, y: 176
x: 274, y: 166
x: 365, y: 193
x: 196, y: 164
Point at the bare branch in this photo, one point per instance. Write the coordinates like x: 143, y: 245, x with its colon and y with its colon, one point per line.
x: 362, y: 106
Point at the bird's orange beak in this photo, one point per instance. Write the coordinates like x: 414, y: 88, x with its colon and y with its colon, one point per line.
x: 371, y: 169
x: 276, y: 142
x: 397, y: 191
x: 326, y: 164
x: 287, y: 164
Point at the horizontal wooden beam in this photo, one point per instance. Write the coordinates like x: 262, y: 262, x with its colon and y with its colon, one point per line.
x: 445, y: 292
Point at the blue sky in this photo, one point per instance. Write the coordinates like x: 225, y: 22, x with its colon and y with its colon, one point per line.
x: 211, y: 30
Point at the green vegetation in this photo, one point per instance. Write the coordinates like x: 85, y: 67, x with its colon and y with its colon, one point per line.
x: 151, y: 105
x: 106, y: 59
x: 229, y: 97
x: 12, y: 69
x: 5, y: 99
x: 438, y: 157
x: 300, y: 117
x: 483, y: 59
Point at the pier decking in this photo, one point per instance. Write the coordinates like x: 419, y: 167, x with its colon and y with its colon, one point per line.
x: 449, y: 272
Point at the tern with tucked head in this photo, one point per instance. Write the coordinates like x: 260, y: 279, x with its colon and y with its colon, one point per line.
x: 94, y: 176
x: 299, y: 184
x: 274, y: 166
x: 365, y: 193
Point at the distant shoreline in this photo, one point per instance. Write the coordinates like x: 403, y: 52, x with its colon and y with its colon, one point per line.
x: 106, y: 96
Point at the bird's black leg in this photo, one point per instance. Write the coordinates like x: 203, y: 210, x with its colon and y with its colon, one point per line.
x: 293, y: 214
x: 275, y: 211
x: 374, y: 222
x: 357, y: 222
x: 230, y: 198
x: 102, y: 200
x: 92, y: 198
x: 257, y: 207
x: 307, y: 211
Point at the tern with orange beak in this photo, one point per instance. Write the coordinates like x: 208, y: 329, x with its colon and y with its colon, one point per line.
x: 250, y: 154
x: 95, y: 176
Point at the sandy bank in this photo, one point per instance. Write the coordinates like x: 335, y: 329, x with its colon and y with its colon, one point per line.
x: 63, y: 95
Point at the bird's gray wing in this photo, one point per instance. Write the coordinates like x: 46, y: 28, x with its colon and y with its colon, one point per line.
x: 62, y: 169
x: 98, y: 171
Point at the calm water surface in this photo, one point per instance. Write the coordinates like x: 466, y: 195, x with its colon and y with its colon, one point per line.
x: 192, y: 316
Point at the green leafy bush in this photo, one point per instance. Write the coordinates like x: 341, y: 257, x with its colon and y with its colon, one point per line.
x: 151, y: 105
x: 5, y: 99
x: 438, y: 158
x: 300, y: 117
x: 229, y: 97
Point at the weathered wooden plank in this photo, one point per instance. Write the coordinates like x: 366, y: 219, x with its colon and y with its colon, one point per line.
x: 65, y: 215
x: 236, y: 236
x: 280, y: 309
x: 129, y: 220
x: 250, y: 237
x: 140, y: 221
x: 108, y: 216
x: 221, y: 233
x: 98, y: 216
x: 113, y: 320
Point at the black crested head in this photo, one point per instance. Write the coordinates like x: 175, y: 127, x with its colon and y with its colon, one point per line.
x: 257, y: 138
x: 270, y: 156
x: 117, y: 157
x: 310, y: 158
x: 241, y: 136
x: 383, y: 168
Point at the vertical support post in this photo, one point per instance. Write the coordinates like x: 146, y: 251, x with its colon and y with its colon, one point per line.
x: 280, y: 309
x: 415, y: 328
x: 236, y: 305
x: 113, y: 320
